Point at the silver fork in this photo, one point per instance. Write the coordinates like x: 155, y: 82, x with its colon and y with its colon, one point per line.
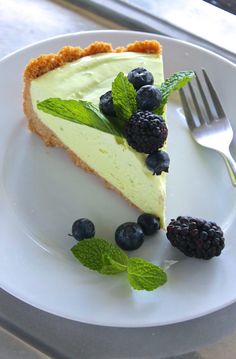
x: 214, y: 132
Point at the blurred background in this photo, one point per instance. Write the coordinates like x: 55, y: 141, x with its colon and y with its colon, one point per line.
x: 25, y: 21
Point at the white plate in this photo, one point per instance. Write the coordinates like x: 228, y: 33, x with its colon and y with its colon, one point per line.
x: 42, y: 193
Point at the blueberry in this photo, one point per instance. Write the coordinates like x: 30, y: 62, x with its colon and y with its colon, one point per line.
x: 157, y: 162
x: 83, y: 228
x: 140, y: 77
x: 149, y: 223
x: 129, y: 236
x: 148, y: 98
x: 106, y: 104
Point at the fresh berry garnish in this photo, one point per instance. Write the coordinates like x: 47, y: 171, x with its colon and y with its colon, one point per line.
x: 196, y: 237
x: 140, y: 77
x: 129, y: 236
x: 146, y: 132
x: 83, y: 228
x: 106, y: 104
x: 158, y: 162
x: 149, y: 223
x: 148, y: 98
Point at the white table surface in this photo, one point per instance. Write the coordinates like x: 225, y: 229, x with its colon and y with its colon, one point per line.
x: 20, y: 25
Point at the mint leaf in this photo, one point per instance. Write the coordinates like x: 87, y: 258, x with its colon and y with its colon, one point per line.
x: 124, y: 98
x: 144, y: 275
x: 78, y: 111
x: 101, y: 256
x: 173, y: 83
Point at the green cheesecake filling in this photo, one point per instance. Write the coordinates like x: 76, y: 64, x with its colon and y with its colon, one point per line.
x: 87, y: 79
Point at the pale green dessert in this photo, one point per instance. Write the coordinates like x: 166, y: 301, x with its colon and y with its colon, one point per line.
x: 117, y: 163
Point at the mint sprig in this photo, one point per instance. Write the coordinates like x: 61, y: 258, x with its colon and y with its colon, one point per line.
x: 124, y: 98
x: 78, y: 111
x: 106, y: 258
x: 173, y: 83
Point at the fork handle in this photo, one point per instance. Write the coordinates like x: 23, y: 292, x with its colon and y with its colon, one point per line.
x: 231, y: 166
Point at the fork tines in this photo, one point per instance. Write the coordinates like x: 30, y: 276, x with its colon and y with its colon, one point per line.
x: 214, y: 97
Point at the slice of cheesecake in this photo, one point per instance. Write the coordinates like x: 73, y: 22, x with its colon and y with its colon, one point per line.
x: 86, y: 74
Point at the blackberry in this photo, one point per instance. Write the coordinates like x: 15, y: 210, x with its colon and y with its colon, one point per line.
x: 196, y: 237
x: 140, y: 77
x: 145, y: 131
x: 148, y: 97
x: 106, y: 104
